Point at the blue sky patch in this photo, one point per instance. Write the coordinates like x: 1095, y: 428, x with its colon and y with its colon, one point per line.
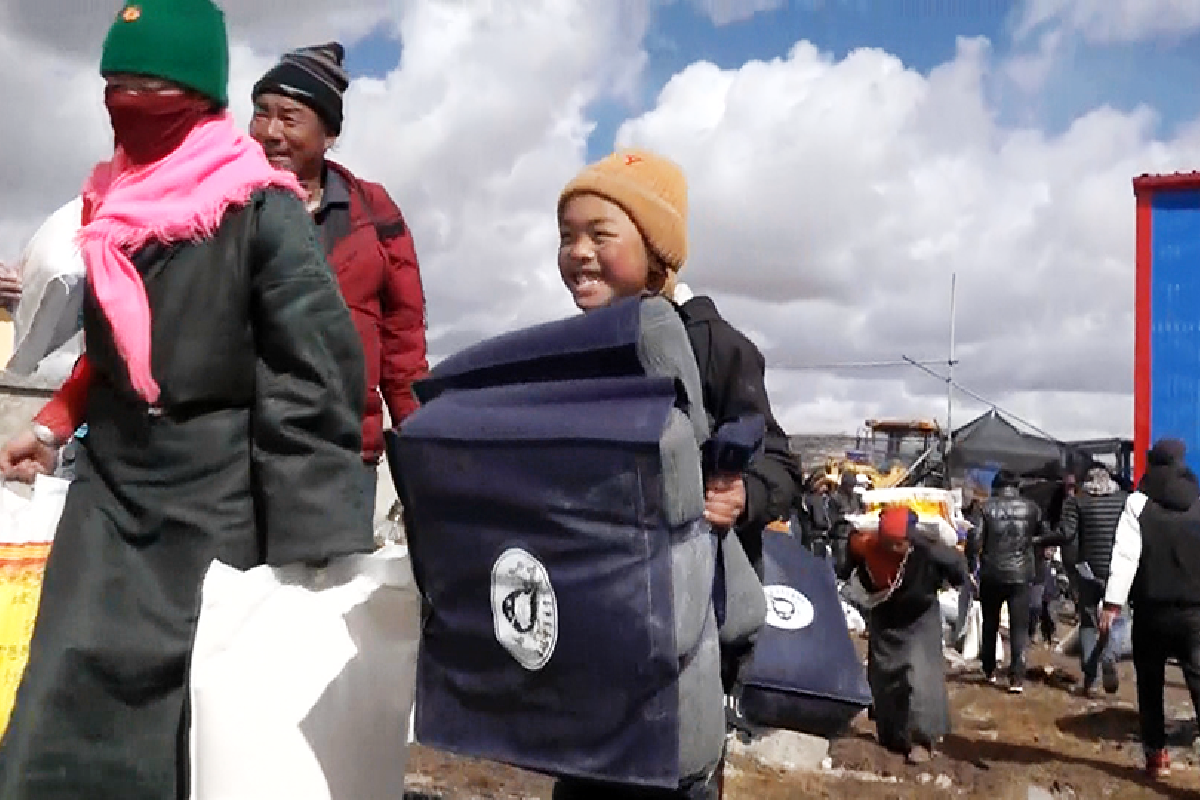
x: 922, y: 33
x: 375, y: 55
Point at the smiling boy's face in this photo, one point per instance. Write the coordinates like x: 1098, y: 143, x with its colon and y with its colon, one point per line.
x: 601, y: 254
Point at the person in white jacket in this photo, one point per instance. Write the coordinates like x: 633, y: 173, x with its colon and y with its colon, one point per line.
x: 1156, y: 566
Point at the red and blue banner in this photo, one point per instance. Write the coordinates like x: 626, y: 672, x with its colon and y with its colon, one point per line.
x: 1167, y: 335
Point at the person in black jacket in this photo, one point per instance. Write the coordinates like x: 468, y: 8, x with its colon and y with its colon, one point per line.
x: 1044, y: 588
x: 1089, y: 523
x: 848, y: 500
x: 1069, y: 550
x: 1156, y: 566
x: 819, y: 515
x: 1011, y: 527
x: 622, y: 233
x: 967, y: 593
x: 733, y: 377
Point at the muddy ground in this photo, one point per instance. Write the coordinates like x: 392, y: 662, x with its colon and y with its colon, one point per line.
x: 1048, y: 738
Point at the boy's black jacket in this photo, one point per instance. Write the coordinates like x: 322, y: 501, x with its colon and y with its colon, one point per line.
x: 732, y: 374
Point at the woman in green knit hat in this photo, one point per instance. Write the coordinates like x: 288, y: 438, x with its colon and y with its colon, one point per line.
x: 223, y: 394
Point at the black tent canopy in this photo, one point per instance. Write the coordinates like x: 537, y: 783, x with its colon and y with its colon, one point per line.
x: 991, y: 441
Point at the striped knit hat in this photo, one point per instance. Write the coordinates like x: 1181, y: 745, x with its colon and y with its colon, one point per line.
x: 313, y: 76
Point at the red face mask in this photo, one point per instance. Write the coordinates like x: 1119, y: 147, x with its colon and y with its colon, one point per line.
x: 149, y: 125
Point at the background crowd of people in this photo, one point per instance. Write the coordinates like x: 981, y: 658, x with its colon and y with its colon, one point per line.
x: 1118, y: 555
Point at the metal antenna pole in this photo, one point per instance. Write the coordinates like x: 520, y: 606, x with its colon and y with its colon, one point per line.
x: 950, y: 371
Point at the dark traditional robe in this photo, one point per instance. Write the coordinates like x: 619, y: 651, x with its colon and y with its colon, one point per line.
x: 905, y: 665
x: 253, y: 457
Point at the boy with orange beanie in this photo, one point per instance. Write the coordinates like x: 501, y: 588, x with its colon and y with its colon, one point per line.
x: 623, y: 232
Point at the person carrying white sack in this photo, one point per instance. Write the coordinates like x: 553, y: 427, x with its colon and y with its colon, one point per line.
x: 223, y: 389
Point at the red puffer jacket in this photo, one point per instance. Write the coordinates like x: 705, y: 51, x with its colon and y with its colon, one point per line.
x: 376, y: 267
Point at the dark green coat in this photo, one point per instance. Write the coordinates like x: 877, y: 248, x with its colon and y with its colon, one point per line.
x: 254, y: 458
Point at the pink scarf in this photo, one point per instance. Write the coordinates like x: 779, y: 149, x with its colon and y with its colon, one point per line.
x: 182, y: 197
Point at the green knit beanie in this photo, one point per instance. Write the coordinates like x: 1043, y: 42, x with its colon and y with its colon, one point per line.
x: 182, y: 41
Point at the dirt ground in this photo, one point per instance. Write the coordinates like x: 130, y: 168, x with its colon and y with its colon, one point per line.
x: 1002, y: 745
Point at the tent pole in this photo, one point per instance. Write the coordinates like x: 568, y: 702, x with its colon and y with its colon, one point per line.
x: 830, y: 365
x: 984, y: 400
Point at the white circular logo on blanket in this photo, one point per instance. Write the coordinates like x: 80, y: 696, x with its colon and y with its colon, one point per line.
x: 787, y: 609
x: 524, y: 609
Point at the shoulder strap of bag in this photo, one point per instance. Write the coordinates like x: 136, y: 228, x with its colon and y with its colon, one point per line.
x: 385, y: 229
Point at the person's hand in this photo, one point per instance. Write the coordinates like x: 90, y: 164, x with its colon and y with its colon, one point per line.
x: 859, y: 542
x: 724, y: 500
x: 1108, y: 615
x: 10, y: 287
x: 23, y: 458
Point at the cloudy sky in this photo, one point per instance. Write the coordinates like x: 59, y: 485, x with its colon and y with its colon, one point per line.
x: 845, y: 158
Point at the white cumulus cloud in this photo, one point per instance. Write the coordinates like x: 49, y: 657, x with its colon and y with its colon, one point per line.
x: 1105, y: 21
x: 723, y: 12
x: 831, y: 199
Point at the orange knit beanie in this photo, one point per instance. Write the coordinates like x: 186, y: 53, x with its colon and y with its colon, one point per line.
x: 649, y: 188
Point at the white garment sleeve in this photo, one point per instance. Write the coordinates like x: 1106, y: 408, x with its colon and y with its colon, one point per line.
x: 1127, y: 551
x: 52, y: 289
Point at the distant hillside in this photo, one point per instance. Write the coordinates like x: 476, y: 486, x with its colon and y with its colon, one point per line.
x: 815, y: 448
